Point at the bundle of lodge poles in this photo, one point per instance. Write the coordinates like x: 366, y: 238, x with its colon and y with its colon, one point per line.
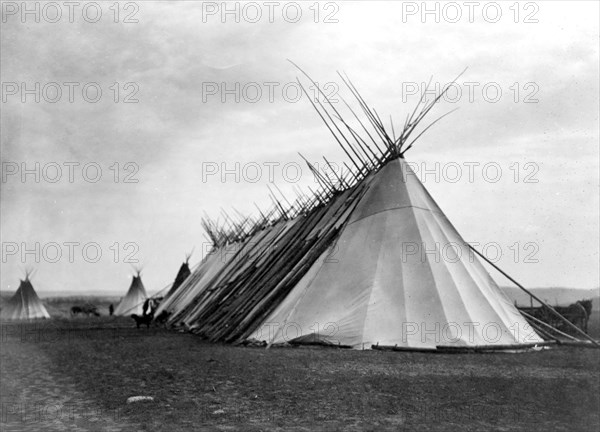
x: 322, y: 212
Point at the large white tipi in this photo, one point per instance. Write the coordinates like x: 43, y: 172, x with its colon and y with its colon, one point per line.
x: 398, y: 275
x: 24, y: 304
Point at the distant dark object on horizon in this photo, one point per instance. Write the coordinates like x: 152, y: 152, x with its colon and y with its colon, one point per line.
x: 85, y: 309
x: 577, y: 313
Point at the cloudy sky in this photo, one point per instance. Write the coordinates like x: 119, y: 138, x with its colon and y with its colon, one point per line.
x: 515, y: 168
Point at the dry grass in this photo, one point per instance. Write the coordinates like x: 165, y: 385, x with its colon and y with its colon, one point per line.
x: 93, y: 366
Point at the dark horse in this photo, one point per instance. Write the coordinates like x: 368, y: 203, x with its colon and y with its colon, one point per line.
x: 87, y: 309
x: 577, y: 313
x: 147, y: 316
x: 144, y: 319
x: 75, y: 310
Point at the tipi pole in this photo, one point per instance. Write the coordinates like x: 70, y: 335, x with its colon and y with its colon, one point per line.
x: 542, y: 323
x: 569, y: 323
x: 543, y: 332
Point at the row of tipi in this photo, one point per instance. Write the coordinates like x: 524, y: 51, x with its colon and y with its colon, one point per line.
x: 25, y: 304
x: 346, y: 265
x: 133, y: 302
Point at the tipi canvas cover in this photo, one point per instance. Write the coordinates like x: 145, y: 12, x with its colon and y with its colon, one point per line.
x: 133, y: 302
x: 25, y: 304
x: 399, y: 274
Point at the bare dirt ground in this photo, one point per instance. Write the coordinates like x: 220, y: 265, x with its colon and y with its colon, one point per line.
x: 77, y: 375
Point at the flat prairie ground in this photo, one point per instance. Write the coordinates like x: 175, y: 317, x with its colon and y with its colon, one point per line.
x: 76, y: 374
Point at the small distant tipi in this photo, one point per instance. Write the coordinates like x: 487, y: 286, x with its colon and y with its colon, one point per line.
x: 133, y: 302
x: 25, y: 304
x: 182, y: 274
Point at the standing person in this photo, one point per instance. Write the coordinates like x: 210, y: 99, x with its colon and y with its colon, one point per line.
x: 146, y: 307
x: 111, y: 309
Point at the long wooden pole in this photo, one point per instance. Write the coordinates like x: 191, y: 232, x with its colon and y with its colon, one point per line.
x: 545, y: 324
x: 543, y: 332
x: 569, y: 323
